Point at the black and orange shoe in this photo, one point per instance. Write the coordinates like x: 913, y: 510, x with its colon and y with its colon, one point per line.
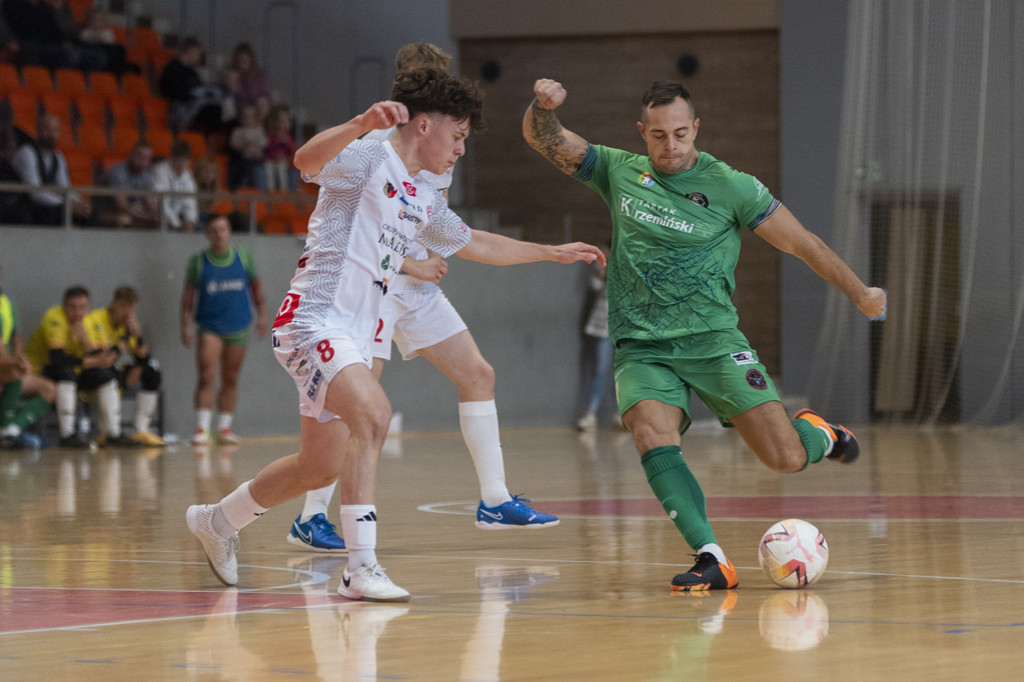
x: 844, y: 444
x: 707, y: 574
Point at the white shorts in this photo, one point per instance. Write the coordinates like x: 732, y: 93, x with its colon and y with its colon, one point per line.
x: 312, y: 369
x: 415, y: 321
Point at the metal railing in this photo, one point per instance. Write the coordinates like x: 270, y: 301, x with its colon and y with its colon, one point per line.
x: 249, y: 200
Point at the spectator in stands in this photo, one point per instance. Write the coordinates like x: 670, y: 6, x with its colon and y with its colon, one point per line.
x: 97, y: 33
x: 41, y: 42
x: 13, y: 205
x: 277, y: 157
x: 41, y: 163
x: 173, y: 174
x: 9, y: 46
x: 193, y: 104
x: 128, y: 210
x: 247, y: 81
x: 24, y: 396
x: 90, y: 57
x: 247, y: 144
x: 207, y: 176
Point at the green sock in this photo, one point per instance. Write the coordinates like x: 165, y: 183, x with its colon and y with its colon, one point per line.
x: 31, y: 410
x: 10, y: 394
x: 679, y: 493
x: 815, y: 440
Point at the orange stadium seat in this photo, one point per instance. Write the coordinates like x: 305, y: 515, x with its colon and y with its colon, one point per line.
x: 275, y: 224
x: 124, y: 111
x: 79, y: 9
x: 148, y: 40
x: 25, y: 106
x: 120, y: 34
x: 160, y: 139
x: 58, y: 104
x: 79, y: 168
x: 37, y: 79
x: 92, y: 110
x: 154, y: 110
x: 71, y: 82
x: 9, y: 79
x: 122, y: 139
x: 198, y: 143
x: 104, y: 84
x: 92, y: 140
x: 135, y: 87
x: 222, y: 207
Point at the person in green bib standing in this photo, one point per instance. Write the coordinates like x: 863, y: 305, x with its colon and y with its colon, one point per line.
x: 221, y: 294
x: 677, y: 218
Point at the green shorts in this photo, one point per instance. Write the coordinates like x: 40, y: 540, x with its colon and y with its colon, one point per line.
x: 720, y: 367
x: 233, y: 339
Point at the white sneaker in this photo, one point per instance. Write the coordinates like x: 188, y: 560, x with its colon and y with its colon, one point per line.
x: 200, y: 437
x: 220, y: 551
x: 588, y: 422
x: 228, y: 437
x: 370, y: 583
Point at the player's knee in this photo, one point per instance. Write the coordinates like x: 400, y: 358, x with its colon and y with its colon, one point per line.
x: 785, y: 461
x: 479, y: 377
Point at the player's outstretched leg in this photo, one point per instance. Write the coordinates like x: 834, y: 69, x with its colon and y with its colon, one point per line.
x: 707, y: 574
x: 317, y: 534
x: 844, y: 444
x: 512, y: 514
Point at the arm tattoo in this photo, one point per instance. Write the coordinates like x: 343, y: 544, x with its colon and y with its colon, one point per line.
x: 550, y: 140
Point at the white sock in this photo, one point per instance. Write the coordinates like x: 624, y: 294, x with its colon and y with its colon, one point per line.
x: 359, y: 528
x: 224, y: 421
x: 479, y: 422
x: 109, y: 399
x: 203, y: 419
x: 317, y: 502
x: 145, y: 406
x: 236, y: 511
x: 714, y: 549
x: 12, y: 430
x: 67, y: 395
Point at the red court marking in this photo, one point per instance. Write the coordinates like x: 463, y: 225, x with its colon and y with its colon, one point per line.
x: 33, y: 609
x: 835, y: 507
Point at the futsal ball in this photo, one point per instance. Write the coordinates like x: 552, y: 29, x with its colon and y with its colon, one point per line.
x: 793, y: 554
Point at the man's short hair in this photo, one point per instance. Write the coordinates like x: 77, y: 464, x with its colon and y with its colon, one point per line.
x: 431, y: 91
x: 189, y: 43
x: 421, y: 56
x: 74, y: 292
x: 662, y: 93
x: 181, y: 149
x: 126, y: 294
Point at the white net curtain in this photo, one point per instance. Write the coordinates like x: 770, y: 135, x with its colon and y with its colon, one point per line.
x: 930, y: 205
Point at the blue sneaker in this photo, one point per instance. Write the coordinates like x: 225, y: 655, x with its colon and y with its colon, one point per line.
x: 512, y: 514
x: 317, y: 534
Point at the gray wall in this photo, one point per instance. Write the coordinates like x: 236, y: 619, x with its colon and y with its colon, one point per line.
x: 526, y: 320
x: 812, y: 44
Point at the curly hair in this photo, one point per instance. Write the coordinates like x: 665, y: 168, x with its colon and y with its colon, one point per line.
x: 431, y: 91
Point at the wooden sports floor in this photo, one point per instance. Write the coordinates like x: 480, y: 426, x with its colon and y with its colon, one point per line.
x: 100, y: 580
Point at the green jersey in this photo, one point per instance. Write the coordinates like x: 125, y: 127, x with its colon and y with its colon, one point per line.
x: 675, y: 241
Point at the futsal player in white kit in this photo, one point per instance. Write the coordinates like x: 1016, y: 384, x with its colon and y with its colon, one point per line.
x: 423, y: 322
x: 369, y: 210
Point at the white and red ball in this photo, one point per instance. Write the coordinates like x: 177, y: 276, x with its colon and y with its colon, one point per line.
x: 793, y: 554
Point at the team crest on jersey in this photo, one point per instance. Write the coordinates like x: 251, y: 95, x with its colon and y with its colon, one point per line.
x: 389, y: 190
x: 698, y: 198
x: 646, y: 179
x: 756, y: 379
x: 410, y: 189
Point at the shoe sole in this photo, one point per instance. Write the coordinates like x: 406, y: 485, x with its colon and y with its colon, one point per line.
x: 486, y: 525
x: 292, y: 540
x: 355, y: 596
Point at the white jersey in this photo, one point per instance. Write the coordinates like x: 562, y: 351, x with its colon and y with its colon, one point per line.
x: 404, y: 283
x: 367, y: 216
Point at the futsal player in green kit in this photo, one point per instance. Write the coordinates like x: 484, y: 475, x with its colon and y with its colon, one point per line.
x: 677, y: 218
